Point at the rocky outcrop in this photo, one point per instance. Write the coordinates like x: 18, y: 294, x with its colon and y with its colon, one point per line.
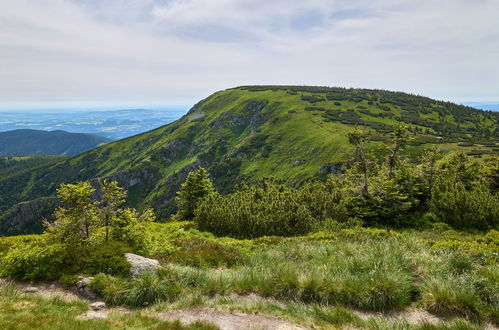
x: 27, y: 217
x: 331, y: 168
x: 139, y: 264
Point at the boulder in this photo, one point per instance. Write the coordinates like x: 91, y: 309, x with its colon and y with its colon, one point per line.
x: 83, y: 288
x: 139, y: 264
x: 30, y: 289
x: 98, y: 305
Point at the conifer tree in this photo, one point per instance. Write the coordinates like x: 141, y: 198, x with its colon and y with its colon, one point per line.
x: 400, y: 137
x: 76, y: 220
x: 196, y: 187
x: 357, y: 138
x: 112, y: 198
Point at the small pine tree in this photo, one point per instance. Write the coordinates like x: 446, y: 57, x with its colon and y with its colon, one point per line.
x: 113, y: 197
x: 196, y: 187
x: 357, y: 138
x: 76, y: 221
x: 400, y: 137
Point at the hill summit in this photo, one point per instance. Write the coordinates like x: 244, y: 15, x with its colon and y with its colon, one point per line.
x: 293, y: 133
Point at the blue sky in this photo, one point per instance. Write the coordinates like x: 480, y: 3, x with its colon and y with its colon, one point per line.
x: 57, y: 53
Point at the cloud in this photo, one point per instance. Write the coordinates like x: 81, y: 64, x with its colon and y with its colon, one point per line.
x: 177, y: 51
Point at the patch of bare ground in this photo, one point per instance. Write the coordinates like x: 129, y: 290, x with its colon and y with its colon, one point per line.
x: 43, y: 289
x: 228, y: 320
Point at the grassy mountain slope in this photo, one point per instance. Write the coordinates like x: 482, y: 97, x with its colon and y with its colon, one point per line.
x: 245, y: 133
x: 22, y: 142
x: 13, y: 165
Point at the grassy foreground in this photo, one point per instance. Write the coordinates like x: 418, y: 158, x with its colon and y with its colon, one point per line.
x: 323, y: 280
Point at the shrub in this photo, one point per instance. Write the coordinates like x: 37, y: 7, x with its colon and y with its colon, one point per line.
x: 201, y: 252
x: 255, y: 211
x: 461, y: 208
x: 106, y: 257
x: 35, y: 262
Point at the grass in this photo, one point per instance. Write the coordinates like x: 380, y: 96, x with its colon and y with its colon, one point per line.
x: 326, y: 273
x: 320, y: 280
x: 22, y: 311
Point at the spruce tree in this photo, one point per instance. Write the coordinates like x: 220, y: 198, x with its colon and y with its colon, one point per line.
x: 196, y: 187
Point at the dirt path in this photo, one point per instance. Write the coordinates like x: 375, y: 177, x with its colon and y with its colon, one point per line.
x: 229, y: 321
x: 223, y: 319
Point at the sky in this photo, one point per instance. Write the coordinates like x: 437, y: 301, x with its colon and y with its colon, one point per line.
x: 92, y: 53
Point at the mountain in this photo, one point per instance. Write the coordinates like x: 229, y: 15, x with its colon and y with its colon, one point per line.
x: 22, y: 142
x: 293, y: 133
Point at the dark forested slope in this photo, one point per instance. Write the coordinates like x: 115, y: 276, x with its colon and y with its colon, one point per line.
x: 23, y: 142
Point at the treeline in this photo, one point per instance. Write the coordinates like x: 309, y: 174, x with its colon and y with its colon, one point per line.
x: 380, y: 191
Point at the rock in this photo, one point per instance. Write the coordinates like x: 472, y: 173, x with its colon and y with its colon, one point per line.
x: 84, y: 290
x: 139, y: 264
x: 98, y: 305
x: 92, y: 315
x: 30, y: 289
x: 299, y: 162
x: 331, y: 168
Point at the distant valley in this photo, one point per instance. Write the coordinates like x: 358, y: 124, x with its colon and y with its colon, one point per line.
x: 114, y: 124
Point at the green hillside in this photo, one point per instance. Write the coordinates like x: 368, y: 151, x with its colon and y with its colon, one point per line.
x: 22, y: 142
x: 292, y: 133
x: 13, y: 165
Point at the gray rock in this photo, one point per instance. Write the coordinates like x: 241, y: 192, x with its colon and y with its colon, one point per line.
x: 30, y: 289
x: 93, y: 315
x: 331, y: 168
x: 139, y: 264
x: 84, y: 290
x: 98, y: 305
x: 299, y: 162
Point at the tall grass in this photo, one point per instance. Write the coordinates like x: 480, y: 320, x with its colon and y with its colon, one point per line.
x: 370, y: 270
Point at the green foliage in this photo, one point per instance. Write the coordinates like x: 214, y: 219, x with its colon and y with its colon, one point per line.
x: 85, y: 221
x: 43, y: 260
x: 148, y: 288
x: 202, y: 252
x: 196, y: 187
x: 34, y: 262
x: 106, y: 257
x: 88, y: 236
x: 75, y: 223
x: 113, y: 196
x: 258, y: 131
x: 130, y: 227
x: 255, y: 211
x: 461, y: 195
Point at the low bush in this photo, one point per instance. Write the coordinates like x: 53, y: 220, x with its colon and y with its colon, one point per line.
x: 45, y: 261
x: 35, y: 262
x: 254, y: 212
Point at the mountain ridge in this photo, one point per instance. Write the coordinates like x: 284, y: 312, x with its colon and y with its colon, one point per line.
x: 293, y: 133
x: 24, y: 142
